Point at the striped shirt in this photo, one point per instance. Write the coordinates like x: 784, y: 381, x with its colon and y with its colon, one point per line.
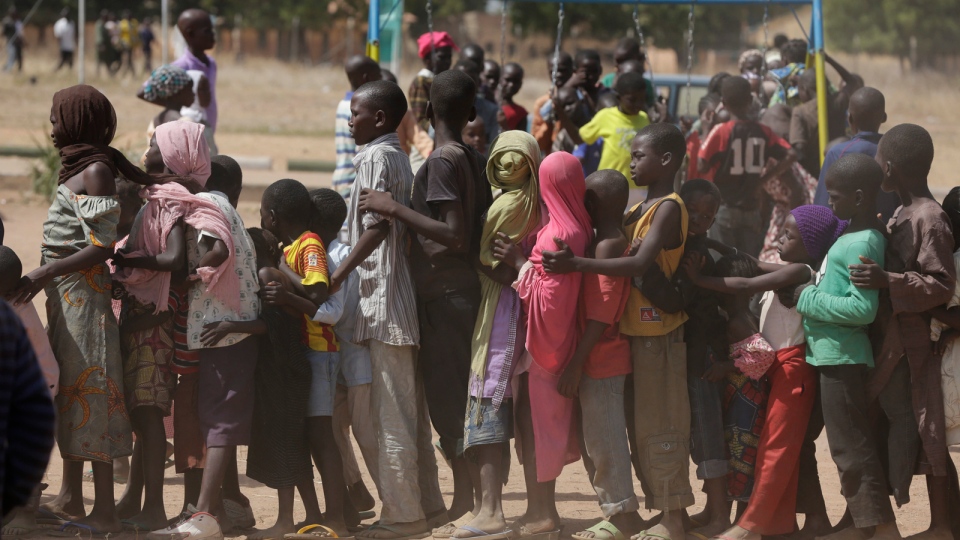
x: 388, y: 306
x: 26, y: 414
x: 344, y: 173
x: 308, y: 258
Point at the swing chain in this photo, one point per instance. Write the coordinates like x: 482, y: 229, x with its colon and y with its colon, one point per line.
x: 433, y: 45
x: 503, y: 34
x: 556, y: 47
x: 690, y: 21
x: 766, y: 34
x: 643, y: 46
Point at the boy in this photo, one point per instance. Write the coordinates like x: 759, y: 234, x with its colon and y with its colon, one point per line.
x: 835, y: 319
x: 588, y: 154
x: 387, y: 317
x: 616, y: 125
x: 197, y: 30
x: 286, y: 211
x: 360, y: 69
x: 490, y: 80
x: 805, y: 121
x: 435, y: 51
x: 224, y: 381
x: 707, y: 107
x: 474, y: 135
x: 351, y: 404
x: 449, y: 198
x: 473, y: 53
x: 514, y: 115
x: 661, y: 405
x: 866, y: 113
x: 487, y: 111
x: 919, y: 276
x: 601, y: 362
x: 628, y: 56
x: 587, y: 76
x: 733, y: 156
x: 542, y: 128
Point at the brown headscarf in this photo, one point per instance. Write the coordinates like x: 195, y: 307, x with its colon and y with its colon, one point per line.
x: 87, y: 125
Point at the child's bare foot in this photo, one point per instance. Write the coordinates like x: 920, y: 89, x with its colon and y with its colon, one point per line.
x: 360, y: 497
x: 628, y: 524
x: 670, y: 527
x: 24, y: 523
x: 68, y: 509
x: 129, y: 505
x: 147, y: 520
x: 102, y: 524
x: 738, y: 533
x: 488, y: 523
x: 277, y: 531
x: 537, y: 526
x: 415, y: 529
x: 716, y: 526
x: 447, y: 530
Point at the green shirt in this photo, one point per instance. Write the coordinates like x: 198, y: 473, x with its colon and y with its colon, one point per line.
x: 617, y: 130
x: 651, y: 94
x: 836, y: 312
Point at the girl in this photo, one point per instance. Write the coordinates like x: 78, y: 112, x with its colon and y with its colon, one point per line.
x: 79, y: 236
x: 513, y: 168
x: 171, y: 88
x: 808, y: 232
x: 545, y: 419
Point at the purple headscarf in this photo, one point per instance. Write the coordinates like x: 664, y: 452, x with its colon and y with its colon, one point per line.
x: 819, y: 228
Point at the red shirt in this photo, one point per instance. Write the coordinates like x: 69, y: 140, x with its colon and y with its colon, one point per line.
x: 693, y: 150
x: 736, y: 152
x: 516, y: 116
x: 603, y: 299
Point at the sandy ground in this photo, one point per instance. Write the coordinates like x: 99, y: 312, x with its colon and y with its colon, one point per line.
x: 284, y: 112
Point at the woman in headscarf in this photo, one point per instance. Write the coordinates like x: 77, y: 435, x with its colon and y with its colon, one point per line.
x: 152, y: 269
x: 500, y: 331
x: 79, y: 237
x: 546, y: 434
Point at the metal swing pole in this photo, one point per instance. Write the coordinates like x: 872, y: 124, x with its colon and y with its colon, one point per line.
x: 164, y: 33
x: 373, y: 31
x: 816, y: 32
x: 82, y: 40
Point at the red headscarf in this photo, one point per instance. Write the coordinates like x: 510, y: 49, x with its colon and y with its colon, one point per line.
x: 551, y: 299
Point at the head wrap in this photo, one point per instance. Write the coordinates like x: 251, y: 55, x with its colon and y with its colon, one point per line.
x: 513, y: 167
x: 86, y: 123
x: 184, y: 150
x: 440, y: 39
x: 819, y: 228
x: 165, y: 82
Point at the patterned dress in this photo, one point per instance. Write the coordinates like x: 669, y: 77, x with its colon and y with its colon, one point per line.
x: 92, y: 422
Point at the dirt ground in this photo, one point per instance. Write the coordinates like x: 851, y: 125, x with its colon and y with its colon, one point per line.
x: 284, y: 112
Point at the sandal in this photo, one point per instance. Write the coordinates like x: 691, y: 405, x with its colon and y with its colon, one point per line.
x: 602, y: 531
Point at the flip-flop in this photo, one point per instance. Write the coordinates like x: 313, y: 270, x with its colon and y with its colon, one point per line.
x: 454, y: 525
x: 82, y: 530
x: 641, y: 534
x: 47, y: 519
x: 306, y: 534
x: 400, y: 534
x: 607, y: 529
x: 437, y: 519
x: 698, y: 536
x: 477, y: 533
x: 520, y: 532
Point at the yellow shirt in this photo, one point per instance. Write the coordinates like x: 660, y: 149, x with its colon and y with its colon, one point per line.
x: 617, y: 131
x: 308, y: 258
x: 641, y: 317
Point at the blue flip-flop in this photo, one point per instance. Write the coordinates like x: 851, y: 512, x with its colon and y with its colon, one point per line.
x: 89, y: 531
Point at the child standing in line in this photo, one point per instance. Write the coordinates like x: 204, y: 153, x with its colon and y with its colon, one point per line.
x: 616, y: 125
x: 547, y: 437
x: 708, y: 116
x: 543, y: 126
x: 733, y: 156
x: 918, y: 276
x: 387, y: 317
x: 513, y: 168
x: 601, y: 363
x: 360, y: 69
x: 351, y: 403
x: 287, y: 212
x: 809, y: 232
x: 514, y: 115
x: 835, y: 319
x: 661, y: 404
x: 449, y: 197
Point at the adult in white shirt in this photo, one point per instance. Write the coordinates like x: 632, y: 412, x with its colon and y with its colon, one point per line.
x: 66, y: 33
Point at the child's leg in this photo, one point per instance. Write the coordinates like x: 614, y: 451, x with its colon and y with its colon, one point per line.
x: 327, y: 456
x: 148, y: 424
x: 393, y: 402
x: 361, y: 422
x: 356, y: 490
x: 284, y: 524
x: 103, y: 516
x: 69, y: 502
x: 903, y: 438
x: 605, y: 439
x: 131, y: 501
x: 772, y: 508
x: 486, y: 437
x: 308, y: 495
x: 843, y: 394
x: 662, y: 418
x: 708, y: 446
x: 809, y: 493
x: 218, y: 460
x: 541, y: 514
x: 428, y: 474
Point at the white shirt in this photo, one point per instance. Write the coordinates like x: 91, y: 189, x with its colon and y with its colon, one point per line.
x: 65, y: 32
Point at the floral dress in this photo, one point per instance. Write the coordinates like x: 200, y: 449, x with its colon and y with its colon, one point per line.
x: 92, y: 421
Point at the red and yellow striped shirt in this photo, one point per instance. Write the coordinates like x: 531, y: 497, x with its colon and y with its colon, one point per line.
x: 308, y: 258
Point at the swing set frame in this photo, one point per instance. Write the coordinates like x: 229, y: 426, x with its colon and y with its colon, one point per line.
x: 814, y: 38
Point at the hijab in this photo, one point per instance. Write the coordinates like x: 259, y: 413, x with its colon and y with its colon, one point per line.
x: 184, y: 150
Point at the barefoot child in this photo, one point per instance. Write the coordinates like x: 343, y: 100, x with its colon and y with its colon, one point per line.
x: 287, y: 212
x: 545, y: 418
x: 387, y: 314
x: 601, y: 363
x: 918, y: 276
x: 809, y: 231
x: 513, y: 167
x: 449, y: 198
x: 835, y: 319
x: 661, y: 404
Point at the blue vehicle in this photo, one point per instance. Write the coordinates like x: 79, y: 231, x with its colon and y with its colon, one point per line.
x: 672, y: 89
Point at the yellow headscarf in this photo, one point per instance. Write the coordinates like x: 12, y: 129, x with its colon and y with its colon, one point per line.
x: 512, y: 167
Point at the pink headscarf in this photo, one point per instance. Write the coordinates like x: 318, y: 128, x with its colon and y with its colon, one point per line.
x: 184, y: 150
x: 551, y: 299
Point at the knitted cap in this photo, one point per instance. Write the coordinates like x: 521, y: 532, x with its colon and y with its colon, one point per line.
x: 819, y: 228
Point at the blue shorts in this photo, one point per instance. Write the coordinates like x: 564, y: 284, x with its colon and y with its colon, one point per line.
x: 324, y: 367
x: 354, y: 364
x: 487, y: 426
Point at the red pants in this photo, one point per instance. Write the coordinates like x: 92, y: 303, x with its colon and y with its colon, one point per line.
x: 772, y: 506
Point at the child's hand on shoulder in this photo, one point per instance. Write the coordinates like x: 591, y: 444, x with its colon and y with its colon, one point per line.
x: 380, y: 202
x: 275, y: 294
x: 560, y: 261
x: 213, y: 333
x: 505, y: 250
x: 692, y: 263
x: 868, y: 275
